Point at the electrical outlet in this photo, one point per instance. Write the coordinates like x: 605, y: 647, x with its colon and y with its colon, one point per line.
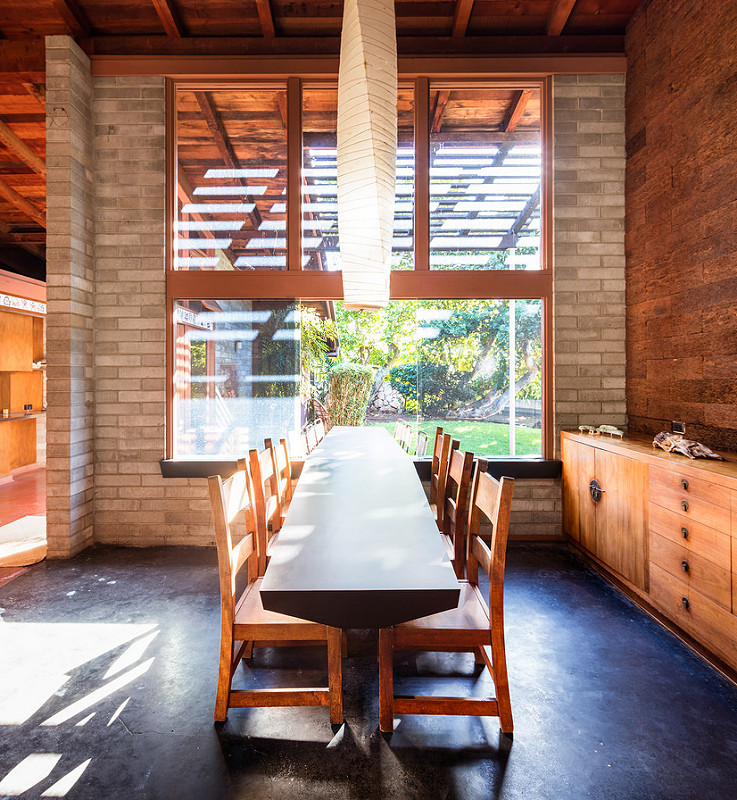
x: 678, y: 427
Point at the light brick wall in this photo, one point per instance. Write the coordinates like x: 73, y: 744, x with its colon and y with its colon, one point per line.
x: 134, y: 505
x: 589, y: 279
x: 69, y: 270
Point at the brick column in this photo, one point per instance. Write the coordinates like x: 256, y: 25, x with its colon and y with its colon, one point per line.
x: 69, y: 263
x: 589, y: 278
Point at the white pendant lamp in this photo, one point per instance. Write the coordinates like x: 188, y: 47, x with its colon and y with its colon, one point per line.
x: 367, y: 150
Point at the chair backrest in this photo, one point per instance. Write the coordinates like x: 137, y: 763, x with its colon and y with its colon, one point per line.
x: 264, y: 493
x: 228, y: 499
x: 282, y: 470
x: 408, y: 439
x: 311, y: 434
x: 399, y: 431
x: 420, y: 444
x: 492, y: 499
x: 455, y: 510
x: 444, y: 445
x: 319, y: 430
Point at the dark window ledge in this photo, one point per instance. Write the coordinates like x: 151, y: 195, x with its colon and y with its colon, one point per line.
x: 511, y: 467
x: 508, y: 467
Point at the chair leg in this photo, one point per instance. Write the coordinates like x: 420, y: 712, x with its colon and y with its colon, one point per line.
x: 386, y: 680
x: 501, y: 680
x: 335, y: 674
x: 225, y: 677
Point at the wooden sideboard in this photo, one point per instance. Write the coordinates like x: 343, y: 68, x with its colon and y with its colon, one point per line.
x: 664, y: 526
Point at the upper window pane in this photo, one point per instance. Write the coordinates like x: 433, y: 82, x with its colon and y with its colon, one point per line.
x: 232, y: 180
x: 320, y: 245
x: 485, y: 178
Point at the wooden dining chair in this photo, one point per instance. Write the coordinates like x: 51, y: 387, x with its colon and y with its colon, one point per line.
x: 319, y: 430
x: 243, y: 619
x: 267, y: 510
x: 420, y: 447
x: 439, y: 473
x: 476, y: 625
x: 311, y: 434
x: 455, y: 508
x: 282, y: 471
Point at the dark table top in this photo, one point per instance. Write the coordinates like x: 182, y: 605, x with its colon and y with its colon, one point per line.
x: 359, y: 547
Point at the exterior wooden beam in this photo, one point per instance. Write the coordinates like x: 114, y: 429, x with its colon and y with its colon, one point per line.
x: 74, y: 18
x: 559, y: 16
x: 24, y: 206
x: 461, y: 17
x: 519, y: 104
x: 20, y: 149
x: 266, y: 19
x: 169, y: 16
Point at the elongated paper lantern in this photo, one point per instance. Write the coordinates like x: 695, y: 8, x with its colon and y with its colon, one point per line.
x: 367, y: 149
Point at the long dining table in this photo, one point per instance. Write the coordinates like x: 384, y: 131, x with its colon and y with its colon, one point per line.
x: 359, y: 547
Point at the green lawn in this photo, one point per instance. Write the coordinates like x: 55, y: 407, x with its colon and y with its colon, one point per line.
x: 481, y: 438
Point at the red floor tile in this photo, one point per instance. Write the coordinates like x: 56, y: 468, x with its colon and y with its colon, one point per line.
x: 24, y: 496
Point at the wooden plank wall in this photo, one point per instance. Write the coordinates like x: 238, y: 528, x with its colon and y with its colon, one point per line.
x: 681, y: 219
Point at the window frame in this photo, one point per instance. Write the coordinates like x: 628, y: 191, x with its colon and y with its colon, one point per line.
x: 419, y: 283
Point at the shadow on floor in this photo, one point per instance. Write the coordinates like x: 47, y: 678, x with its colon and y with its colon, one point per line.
x: 109, y: 664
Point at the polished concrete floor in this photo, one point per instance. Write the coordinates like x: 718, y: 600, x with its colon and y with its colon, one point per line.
x: 108, y: 667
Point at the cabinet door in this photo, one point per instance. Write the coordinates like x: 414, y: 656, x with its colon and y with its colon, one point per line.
x: 621, y: 516
x: 578, y: 508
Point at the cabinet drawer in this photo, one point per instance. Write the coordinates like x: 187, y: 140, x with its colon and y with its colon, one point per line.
x: 707, y: 622
x: 691, y: 506
x: 692, y: 570
x: 692, y: 535
x: 673, y: 478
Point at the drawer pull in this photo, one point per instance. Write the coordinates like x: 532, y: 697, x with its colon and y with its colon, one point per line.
x: 684, y: 505
x: 684, y: 484
x: 684, y: 533
x: 684, y: 564
x: 685, y: 602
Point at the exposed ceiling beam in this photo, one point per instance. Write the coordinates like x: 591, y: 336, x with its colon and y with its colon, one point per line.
x: 437, y: 117
x: 9, y: 236
x: 461, y: 17
x: 24, y: 206
x: 37, y: 90
x: 516, y: 110
x: 266, y: 19
x: 169, y: 16
x: 21, y: 55
x: 407, y: 46
x: 74, y: 18
x: 20, y: 149
x: 559, y: 16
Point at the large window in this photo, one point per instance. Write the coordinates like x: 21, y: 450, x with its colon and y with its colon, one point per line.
x: 254, y: 260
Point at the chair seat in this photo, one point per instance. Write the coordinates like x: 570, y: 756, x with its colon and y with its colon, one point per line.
x: 251, y: 614
x: 471, y: 613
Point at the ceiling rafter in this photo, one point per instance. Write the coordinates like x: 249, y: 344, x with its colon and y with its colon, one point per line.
x: 20, y: 149
x: 24, y: 206
x: 9, y: 236
x: 266, y: 19
x: 74, y: 18
x: 222, y: 142
x: 559, y: 16
x: 167, y: 13
x: 461, y: 17
x: 517, y: 108
x: 36, y: 90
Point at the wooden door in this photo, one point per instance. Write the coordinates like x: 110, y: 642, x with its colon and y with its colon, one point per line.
x: 578, y: 508
x: 621, y: 516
